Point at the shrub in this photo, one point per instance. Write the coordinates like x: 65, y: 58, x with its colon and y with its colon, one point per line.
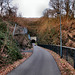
x: 10, y: 52
x: 3, y: 27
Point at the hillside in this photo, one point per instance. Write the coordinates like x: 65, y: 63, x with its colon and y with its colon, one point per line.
x: 10, y: 46
x: 47, y: 30
x: 9, y: 49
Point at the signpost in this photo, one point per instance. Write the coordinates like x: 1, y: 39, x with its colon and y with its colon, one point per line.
x: 14, y: 29
x: 29, y: 37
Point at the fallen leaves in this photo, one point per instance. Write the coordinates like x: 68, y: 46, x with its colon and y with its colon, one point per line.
x: 4, y: 70
x: 64, y: 66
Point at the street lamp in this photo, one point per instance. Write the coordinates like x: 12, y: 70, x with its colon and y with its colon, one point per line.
x: 60, y: 36
x: 74, y: 8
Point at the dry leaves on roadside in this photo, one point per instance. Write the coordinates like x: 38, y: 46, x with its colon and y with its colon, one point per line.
x: 4, y: 70
x: 64, y: 66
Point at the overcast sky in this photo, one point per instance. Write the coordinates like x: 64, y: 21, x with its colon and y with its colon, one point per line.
x: 31, y: 8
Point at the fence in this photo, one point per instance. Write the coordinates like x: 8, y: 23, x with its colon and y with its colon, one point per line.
x: 67, y: 52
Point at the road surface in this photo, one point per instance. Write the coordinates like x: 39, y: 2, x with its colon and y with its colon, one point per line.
x: 40, y: 63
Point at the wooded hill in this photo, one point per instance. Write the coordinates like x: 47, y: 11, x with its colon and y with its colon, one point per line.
x: 47, y: 30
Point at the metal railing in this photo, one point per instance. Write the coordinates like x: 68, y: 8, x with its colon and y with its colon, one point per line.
x: 68, y: 53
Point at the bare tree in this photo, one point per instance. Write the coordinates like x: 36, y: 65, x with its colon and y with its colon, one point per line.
x: 2, y: 2
x: 73, y: 8
x: 55, y: 5
x: 49, y: 13
x: 46, y: 13
x: 20, y: 15
x: 11, y: 11
x: 7, y: 8
x: 67, y: 7
x: 54, y: 8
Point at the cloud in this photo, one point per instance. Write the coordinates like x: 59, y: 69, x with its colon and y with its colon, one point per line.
x: 31, y: 8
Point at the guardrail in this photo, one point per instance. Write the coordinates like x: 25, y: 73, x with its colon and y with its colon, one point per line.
x: 67, y: 52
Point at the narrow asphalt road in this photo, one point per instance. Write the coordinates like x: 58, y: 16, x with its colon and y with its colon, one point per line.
x: 40, y: 63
